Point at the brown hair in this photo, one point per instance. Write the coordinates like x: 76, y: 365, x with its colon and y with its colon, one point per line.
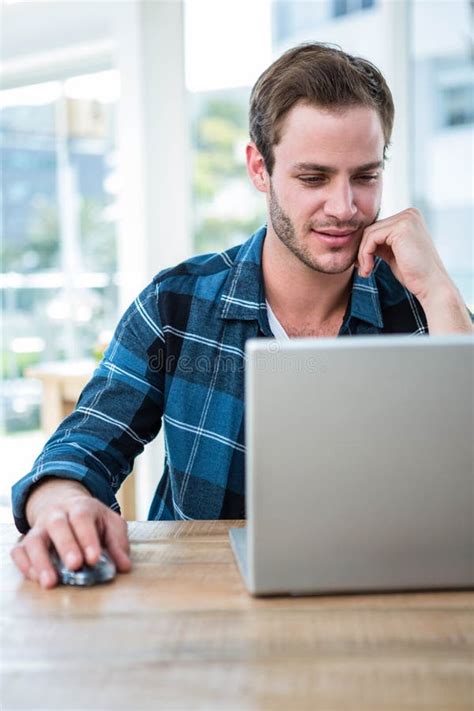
x: 318, y: 74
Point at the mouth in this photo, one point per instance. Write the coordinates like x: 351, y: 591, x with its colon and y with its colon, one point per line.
x: 335, y: 239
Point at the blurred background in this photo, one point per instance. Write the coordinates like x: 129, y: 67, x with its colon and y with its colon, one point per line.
x: 123, y: 127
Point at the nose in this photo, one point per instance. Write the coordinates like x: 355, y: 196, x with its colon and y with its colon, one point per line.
x: 340, y: 201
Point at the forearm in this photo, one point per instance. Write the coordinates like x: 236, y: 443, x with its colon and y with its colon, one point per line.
x: 118, y: 413
x: 445, y: 310
x: 62, y: 460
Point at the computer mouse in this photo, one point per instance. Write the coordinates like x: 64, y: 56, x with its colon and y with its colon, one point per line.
x: 102, y: 572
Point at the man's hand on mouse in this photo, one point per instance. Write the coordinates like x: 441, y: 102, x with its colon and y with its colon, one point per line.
x: 63, y: 513
x: 403, y: 241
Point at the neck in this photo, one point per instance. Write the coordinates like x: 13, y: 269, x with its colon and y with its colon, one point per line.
x: 297, y: 292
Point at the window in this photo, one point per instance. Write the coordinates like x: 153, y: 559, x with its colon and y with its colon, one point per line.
x: 443, y: 113
x: 226, y: 206
x: 455, y: 82
x: 58, y: 251
x: 344, y: 7
x: 58, y: 254
x: 290, y: 18
x: 227, y: 209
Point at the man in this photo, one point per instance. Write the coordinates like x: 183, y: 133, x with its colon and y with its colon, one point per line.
x: 320, y: 124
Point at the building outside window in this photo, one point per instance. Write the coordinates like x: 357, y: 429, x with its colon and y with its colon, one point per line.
x: 345, y: 7
x: 290, y: 18
x: 441, y: 139
x: 455, y: 87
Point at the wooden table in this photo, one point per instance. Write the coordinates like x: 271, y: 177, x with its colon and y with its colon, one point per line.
x: 63, y: 382
x: 180, y: 632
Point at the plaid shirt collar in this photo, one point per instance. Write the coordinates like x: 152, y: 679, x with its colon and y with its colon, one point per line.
x: 243, y: 296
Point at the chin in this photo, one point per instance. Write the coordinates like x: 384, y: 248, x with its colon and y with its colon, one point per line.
x: 332, y: 263
x: 334, y: 268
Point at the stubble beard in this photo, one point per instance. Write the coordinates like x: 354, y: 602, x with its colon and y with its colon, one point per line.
x: 286, y: 233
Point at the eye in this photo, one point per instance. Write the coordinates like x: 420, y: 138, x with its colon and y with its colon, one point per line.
x: 312, y: 179
x: 367, y: 178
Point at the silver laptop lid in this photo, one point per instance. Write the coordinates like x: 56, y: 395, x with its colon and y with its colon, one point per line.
x: 359, y: 463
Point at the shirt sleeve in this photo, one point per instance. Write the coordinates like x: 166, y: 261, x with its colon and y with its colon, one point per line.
x: 118, y: 412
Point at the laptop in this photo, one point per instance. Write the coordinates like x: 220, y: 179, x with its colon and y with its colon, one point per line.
x: 359, y: 465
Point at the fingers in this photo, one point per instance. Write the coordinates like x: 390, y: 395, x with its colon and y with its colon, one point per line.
x: 76, y: 534
x: 36, y: 545
x: 23, y: 563
x: 87, y: 519
x: 374, y: 237
x: 116, y: 542
x: 64, y: 541
x: 384, y: 237
x: 83, y: 521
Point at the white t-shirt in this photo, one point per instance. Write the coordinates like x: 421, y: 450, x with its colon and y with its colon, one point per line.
x: 275, y: 326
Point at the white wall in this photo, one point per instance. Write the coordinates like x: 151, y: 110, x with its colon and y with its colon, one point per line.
x: 442, y: 27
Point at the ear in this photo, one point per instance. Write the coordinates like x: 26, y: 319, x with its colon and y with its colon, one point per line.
x: 256, y: 168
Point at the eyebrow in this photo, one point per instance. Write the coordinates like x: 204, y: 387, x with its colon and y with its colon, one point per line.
x: 317, y: 168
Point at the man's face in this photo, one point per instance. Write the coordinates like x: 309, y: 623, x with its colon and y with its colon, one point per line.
x: 326, y: 184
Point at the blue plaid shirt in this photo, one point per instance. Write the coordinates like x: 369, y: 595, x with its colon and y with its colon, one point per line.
x: 177, y: 357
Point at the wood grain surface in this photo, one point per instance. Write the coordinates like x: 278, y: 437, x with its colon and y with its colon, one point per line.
x: 181, y: 632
